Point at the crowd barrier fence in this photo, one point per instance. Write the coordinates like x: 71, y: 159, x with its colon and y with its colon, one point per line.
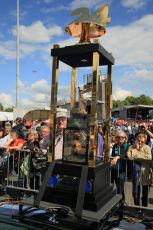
x: 22, y: 176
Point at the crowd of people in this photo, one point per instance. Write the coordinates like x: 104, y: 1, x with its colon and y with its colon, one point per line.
x: 130, y: 141
x: 33, y: 137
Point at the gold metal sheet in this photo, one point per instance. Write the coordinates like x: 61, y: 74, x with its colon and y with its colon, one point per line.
x: 94, y: 30
x: 108, y: 113
x: 88, y: 26
x: 54, y: 88
x: 73, y: 91
x: 93, y: 118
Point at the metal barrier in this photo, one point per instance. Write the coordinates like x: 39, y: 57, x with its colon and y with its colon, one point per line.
x: 17, y: 178
x: 128, y: 184
x: 21, y: 173
x: 3, y: 168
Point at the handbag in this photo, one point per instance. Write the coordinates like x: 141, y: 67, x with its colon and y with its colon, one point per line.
x: 39, y: 160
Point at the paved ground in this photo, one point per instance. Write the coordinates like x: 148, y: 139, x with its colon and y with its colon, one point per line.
x: 129, y: 198
x: 128, y: 195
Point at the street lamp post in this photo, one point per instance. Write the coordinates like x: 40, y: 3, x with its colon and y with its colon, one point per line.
x: 17, y: 52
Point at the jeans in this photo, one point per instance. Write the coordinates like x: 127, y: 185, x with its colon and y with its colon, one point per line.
x: 119, y: 178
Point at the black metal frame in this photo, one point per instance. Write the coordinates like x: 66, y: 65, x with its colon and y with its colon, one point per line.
x: 44, y: 184
x: 81, y: 191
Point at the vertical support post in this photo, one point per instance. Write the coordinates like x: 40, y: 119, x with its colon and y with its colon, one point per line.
x: 44, y: 184
x: 73, y: 91
x: 108, y: 112
x: 17, y: 54
x: 54, y: 88
x: 81, y: 191
x: 92, y: 150
x: 104, y: 100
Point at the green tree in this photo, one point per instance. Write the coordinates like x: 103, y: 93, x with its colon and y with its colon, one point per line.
x: 117, y: 103
x: 1, y: 107
x: 145, y: 100
x: 130, y: 100
x: 9, y: 110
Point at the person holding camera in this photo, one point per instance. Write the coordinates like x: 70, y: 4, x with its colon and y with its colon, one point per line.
x: 142, y: 172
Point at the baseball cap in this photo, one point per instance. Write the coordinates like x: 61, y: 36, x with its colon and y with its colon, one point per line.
x: 60, y: 112
x: 27, y: 123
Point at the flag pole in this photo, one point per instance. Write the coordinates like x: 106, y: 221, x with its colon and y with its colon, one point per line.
x: 17, y: 52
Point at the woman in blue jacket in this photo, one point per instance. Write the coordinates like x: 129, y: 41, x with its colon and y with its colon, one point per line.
x: 118, y: 164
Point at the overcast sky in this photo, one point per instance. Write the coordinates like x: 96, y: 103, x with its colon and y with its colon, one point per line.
x: 129, y: 37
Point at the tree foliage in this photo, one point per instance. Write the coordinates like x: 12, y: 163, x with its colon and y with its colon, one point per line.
x: 5, y: 109
x: 130, y: 100
x: 9, y: 109
x: 1, y: 107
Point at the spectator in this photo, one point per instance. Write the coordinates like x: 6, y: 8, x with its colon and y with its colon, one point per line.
x: 141, y: 169
x: 118, y: 166
x: 148, y: 131
x: 7, y: 128
x: 61, y: 120
x: 44, y: 142
x: 30, y: 165
x: 20, y: 128
x: 3, y: 139
x: 143, y: 130
x: 3, y: 158
x: 28, y: 127
x: 32, y: 141
x: 15, y: 142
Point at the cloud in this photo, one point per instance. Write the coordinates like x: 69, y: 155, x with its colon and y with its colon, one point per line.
x: 120, y: 94
x: 144, y: 75
x: 85, y: 3
x: 131, y: 44
x: 7, y: 49
x: 25, y: 102
x: 27, y: 49
x: 36, y: 94
x: 6, y: 100
x: 73, y: 5
x: 54, y: 9
x: 138, y: 76
x: 39, y: 94
x: 41, y: 98
x: 40, y: 86
x: 22, y: 88
x: 64, y: 92
x: 23, y: 13
x: 135, y: 4
x: 63, y: 67
x: 37, y: 32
